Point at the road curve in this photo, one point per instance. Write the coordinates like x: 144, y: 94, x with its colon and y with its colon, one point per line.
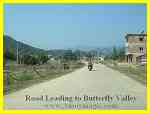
x: 102, y: 82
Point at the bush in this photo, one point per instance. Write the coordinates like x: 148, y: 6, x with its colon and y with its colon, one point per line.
x: 9, y: 55
x: 10, y: 80
x: 30, y: 60
x: 115, y: 63
x: 34, y: 59
x: 43, y: 59
x: 25, y: 76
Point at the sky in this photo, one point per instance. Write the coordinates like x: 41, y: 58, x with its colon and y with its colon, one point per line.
x: 59, y: 26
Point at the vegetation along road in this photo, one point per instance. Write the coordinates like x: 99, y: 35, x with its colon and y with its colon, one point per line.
x: 103, y: 85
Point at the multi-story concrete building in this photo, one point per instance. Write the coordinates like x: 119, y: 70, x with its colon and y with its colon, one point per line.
x: 135, y: 48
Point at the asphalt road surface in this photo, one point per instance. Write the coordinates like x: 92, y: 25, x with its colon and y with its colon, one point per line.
x: 102, y: 88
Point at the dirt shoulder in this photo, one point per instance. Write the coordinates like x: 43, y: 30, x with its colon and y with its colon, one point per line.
x: 22, y: 76
x: 136, y: 72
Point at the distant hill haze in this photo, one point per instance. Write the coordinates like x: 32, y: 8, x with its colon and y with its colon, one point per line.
x: 10, y: 47
x: 10, y: 50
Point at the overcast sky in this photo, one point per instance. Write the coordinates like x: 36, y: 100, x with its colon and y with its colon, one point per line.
x: 66, y: 26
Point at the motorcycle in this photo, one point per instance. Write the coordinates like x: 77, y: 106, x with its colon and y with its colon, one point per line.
x: 90, y: 67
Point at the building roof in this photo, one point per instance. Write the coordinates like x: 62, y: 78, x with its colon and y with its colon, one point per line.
x: 135, y: 35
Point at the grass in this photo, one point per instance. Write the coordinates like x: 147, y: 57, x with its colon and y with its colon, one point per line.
x: 24, y: 76
x: 135, y: 72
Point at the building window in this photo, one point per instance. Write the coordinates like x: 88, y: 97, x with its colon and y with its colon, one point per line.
x: 141, y: 39
x: 141, y: 49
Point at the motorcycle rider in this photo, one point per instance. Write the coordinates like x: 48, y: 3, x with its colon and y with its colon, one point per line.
x: 90, y: 65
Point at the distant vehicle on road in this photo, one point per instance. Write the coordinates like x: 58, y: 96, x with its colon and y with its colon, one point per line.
x: 90, y: 66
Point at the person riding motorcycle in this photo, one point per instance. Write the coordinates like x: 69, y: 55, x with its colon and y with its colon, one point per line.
x: 90, y: 65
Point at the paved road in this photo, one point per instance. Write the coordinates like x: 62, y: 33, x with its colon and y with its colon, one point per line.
x: 109, y: 88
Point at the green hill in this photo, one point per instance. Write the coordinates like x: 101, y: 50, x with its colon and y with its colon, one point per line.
x: 10, y: 48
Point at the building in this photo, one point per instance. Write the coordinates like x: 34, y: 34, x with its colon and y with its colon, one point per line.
x: 135, y: 48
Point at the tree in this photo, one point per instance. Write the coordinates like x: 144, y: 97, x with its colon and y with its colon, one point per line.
x: 9, y: 55
x: 43, y: 59
x: 118, y: 53
x: 77, y: 54
x: 67, y: 55
x: 121, y: 53
x: 114, y: 53
x: 31, y: 60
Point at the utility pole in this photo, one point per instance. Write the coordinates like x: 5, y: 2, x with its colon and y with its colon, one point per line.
x: 79, y: 56
x: 17, y: 53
